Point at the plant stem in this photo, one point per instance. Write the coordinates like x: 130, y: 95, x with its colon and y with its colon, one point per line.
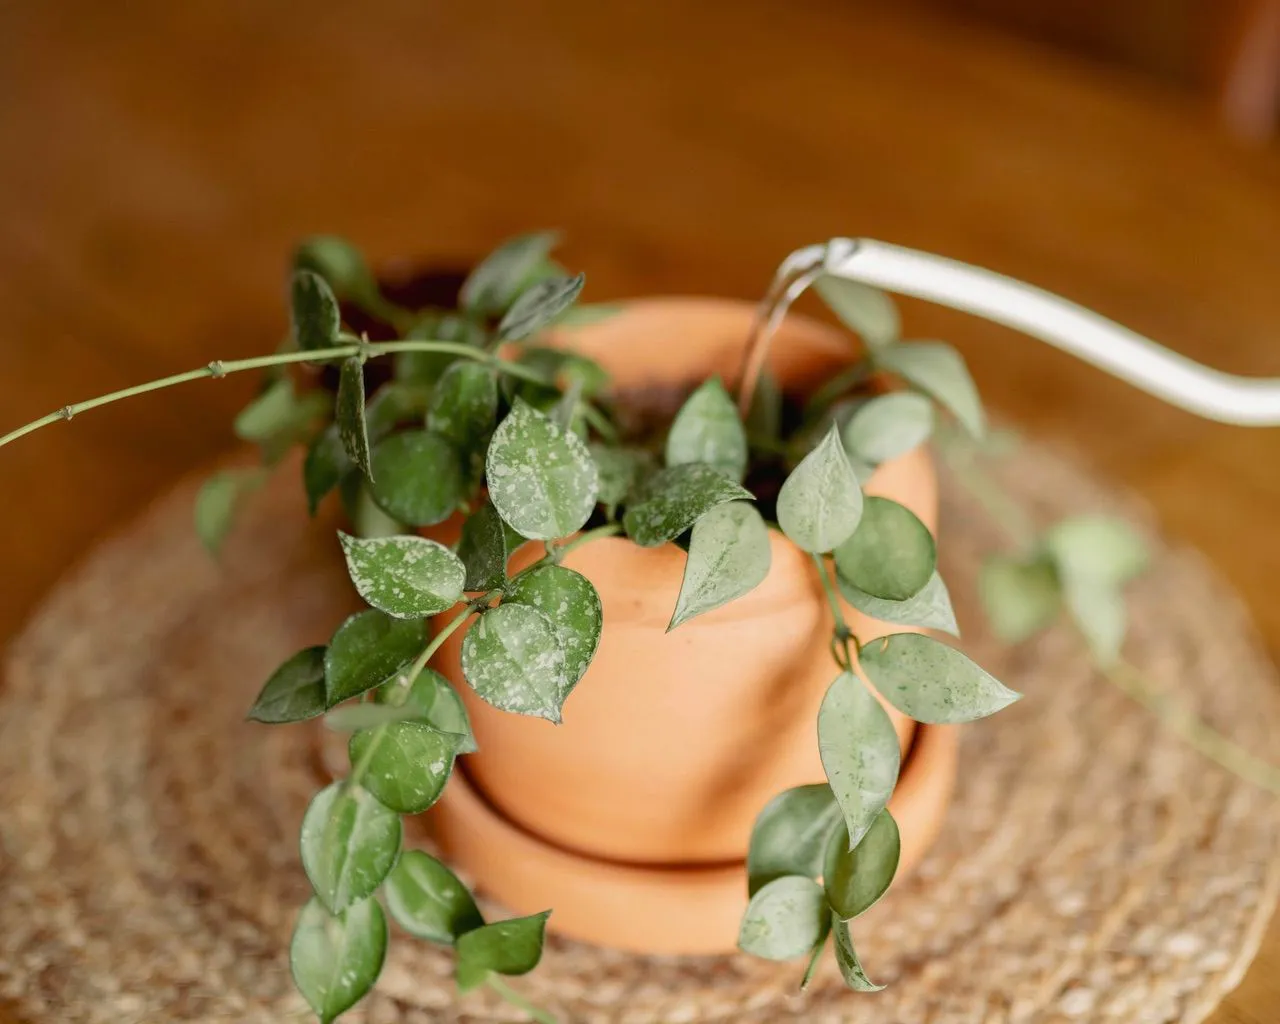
x: 842, y: 634
x: 221, y: 368
x: 520, y: 1002
x: 607, y: 530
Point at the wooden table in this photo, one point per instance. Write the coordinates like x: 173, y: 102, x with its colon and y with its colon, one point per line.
x: 156, y: 164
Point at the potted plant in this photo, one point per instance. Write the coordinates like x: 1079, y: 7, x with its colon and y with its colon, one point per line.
x: 663, y: 577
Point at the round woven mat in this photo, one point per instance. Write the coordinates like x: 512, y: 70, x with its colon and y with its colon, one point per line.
x: 1090, y: 869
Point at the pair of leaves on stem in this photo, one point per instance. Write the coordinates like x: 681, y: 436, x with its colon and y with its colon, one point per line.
x: 1082, y: 564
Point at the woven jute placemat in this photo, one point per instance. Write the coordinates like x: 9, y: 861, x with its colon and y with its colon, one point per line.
x: 1091, y: 868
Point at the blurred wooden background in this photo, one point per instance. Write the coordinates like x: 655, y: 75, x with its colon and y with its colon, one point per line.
x: 157, y: 161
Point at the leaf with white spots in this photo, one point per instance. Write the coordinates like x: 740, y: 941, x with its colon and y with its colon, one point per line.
x: 541, y: 478
x: 349, y: 843
x: 367, y: 650
x: 313, y: 312
x: 512, y: 657
x: 569, y: 600
x: 502, y: 275
x: 930, y: 608
x: 820, y: 503
x: 406, y: 763
x: 429, y: 901
x: 434, y: 700
x: 418, y: 477
x: 891, y: 555
x: 729, y: 555
x: 295, y: 691
x: 349, y: 413
x: 539, y: 305
x: 483, y: 549
x: 673, y: 499
x: 784, y: 920
x: 860, y: 752
x: 406, y: 576
x: 336, y: 958
x: 464, y: 406
x: 847, y: 957
x: 707, y: 429
x: 931, y: 681
x: 939, y: 371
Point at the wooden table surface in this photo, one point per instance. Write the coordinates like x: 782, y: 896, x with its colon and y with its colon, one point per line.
x: 157, y: 161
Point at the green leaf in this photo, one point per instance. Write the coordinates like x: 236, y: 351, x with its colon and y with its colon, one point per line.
x: 464, y: 404
x: 314, y: 312
x: 847, y: 957
x: 569, y: 600
x: 928, y: 609
x: 790, y: 835
x: 865, y: 310
x: 820, y: 503
x: 673, y: 499
x: 891, y: 555
x: 336, y: 958
x: 1020, y: 598
x: 368, y: 649
x: 856, y: 878
x: 324, y: 467
x: 729, y: 555
x: 349, y: 843
x: 585, y: 314
x: 483, y: 549
x: 279, y: 417
x: 366, y: 715
x: 1096, y: 550
x: 764, y: 418
x: 502, y: 275
x: 513, y: 659
x: 436, y: 702
x: 418, y: 477
x: 707, y: 429
x: 349, y: 414
x: 619, y: 469
x: 889, y: 426
x: 294, y: 692
x: 406, y: 576
x: 368, y: 521
x: 930, y: 681
x: 785, y: 919
x: 860, y: 752
x: 218, y: 501
x: 940, y: 371
x: 428, y: 901
x: 341, y: 265
x: 1099, y: 613
x: 539, y: 305
x: 541, y: 478
x: 505, y: 947
x: 408, y: 763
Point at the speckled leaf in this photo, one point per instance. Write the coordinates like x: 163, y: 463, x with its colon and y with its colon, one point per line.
x: 336, y: 958
x: 408, y: 763
x: 418, y: 477
x: 855, y: 879
x: 785, y: 919
x: 928, y: 609
x: 464, y: 404
x: 513, y: 659
x: 313, y: 311
x: 538, y: 305
x: 850, y: 966
x: 790, y: 835
x: 863, y: 309
x: 496, y: 281
x: 619, y: 469
x: 729, y: 555
x: 932, y: 682
x: 294, y: 692
x: 340, y: 263
x: 541, y: 478
x: 938, y: 370
x: 406, y: 576
x: 1020, y: 597
x: 707, y: 429
x: 368, y: 649
x: 483, y: 549
x: 891, y: 555
x: 1096, y: 550
x: 218, y: 501
x: 820, y: 502
x: 673, y: 499
x: 888, y: 426
x: 428, y: 901
x: 349, y: 414
x: 436, y: 702
x: 349, y: 843
x: 504, y: 947
x: 569, y: 600
x: 860, y: 752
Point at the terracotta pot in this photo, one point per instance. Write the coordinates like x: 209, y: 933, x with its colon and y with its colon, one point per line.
x: 672, y: 743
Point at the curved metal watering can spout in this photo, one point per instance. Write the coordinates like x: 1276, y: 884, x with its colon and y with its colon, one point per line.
x: 1066, y: 325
